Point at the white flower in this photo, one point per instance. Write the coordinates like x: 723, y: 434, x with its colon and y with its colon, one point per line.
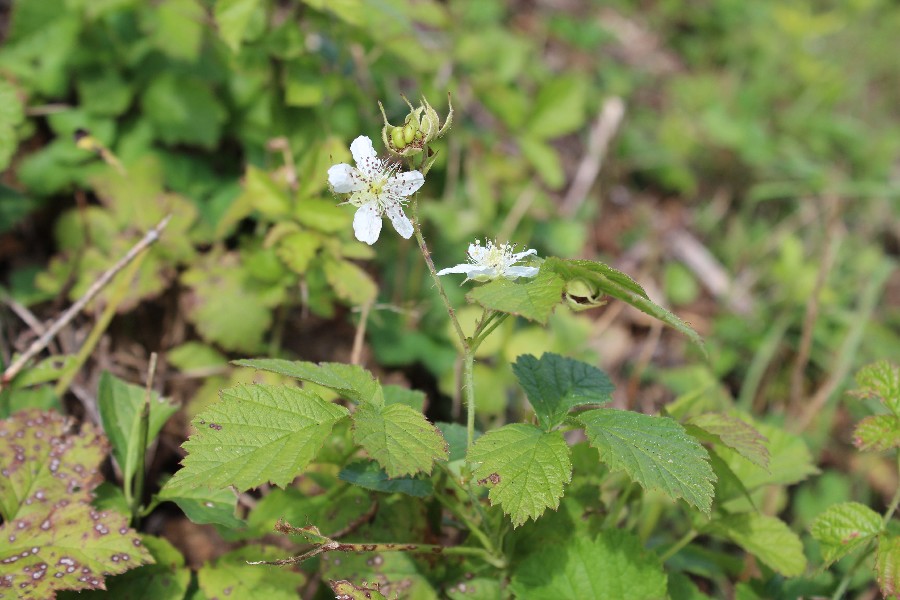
x: 492, y: 261
x: 376, y: 188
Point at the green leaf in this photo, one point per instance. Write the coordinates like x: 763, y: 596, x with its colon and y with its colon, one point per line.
x: 254, y: 435
x: 53, y: 539
x: 560, y: 107
x: 877, y: 433
x: 790, y: 460
x: 554, y: 385
x: 350, y: 381
x: 201, y: 504
x: 120, y: 406
x: 232, y: 17
x: 532, y: 299
x: 264, y: 195
x: 179, y: 28
x: 545, y: 160
x: 12, y: 114
x: 369, y: 475
x: 618, y: 285
x: 230, y: 576
x: 349, y: 282
x: 400, y: 438
x: 738, y: 435
x: 887, y: 566
x: 296, y: 250
x: 613, y: 565
x: 656, y: 452
x: 844, y: 528
x: 184, y: 110
x: 881, y: 380
x: 767, y: 538
x: 527, y: 469
x: 395, y: 394
x: 322, y: 215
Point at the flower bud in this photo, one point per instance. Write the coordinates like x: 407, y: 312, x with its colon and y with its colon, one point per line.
x: 397, y: 138
x: 421, y: 126
x: 582, y: 294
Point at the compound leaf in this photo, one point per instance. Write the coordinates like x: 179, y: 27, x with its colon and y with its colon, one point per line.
x: 256, y: 434
x: 400, y: 438
x: 655, y: 451
x: 526, y: 467
x: 844, y: 527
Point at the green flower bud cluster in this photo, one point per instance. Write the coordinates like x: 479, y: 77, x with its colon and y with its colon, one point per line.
x: 420, y: 127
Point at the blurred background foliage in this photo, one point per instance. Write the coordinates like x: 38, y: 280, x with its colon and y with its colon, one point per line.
x: 751, y: 181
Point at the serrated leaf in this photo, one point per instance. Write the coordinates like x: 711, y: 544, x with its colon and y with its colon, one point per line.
x: 369, y: 475
x: 53, y: 539
x: 399, y: 438
x: 351, y: 381
x: 881, y: 380
x: 728, y: 485
x: 230, y: 576
x: 554, y: 385
x: 656, y: 452
x: 620, y: 286
x: 790, y: 460
x: 395, y: 394
x: 347, y: 591
x: 533, y: 299
x: 120, y: 406
x: 254, y: 435
x: 877, y: 433
x: 349, y: 282
x: 738, y: 435
x: 613, y: 565
x: 526, y: 468
x: 232, y: 17
x: 845, y: 527
x: 767, y: 538
x: 887, y: 566
x: 201, y: 504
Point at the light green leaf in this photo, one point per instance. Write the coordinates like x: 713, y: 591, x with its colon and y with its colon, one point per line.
x: 120, y: 406
x: 201, y: 504
x: 351, y: 381
x: 349, y: 282
x: 881, y: 380
x: 399, y: 438
x: 789, y: 460
x: 767, y: 538
x: 532, y: 299
x: 545, y: 160
x: 348, y: 591
x: 527, y: 469
x: 232, y: 17
x: 877, y: 433
x: 179, y: 28
x: 12, y: 114
x: 620, y: 286
x: 887, y: 566
x: 296, y: 250
x: 184, y: 110
x: 614, y: 565
x: 323, y: 216
x: 369, y: 475
x: 229, y: 576
x: 264, y: 195
x: 395, y: 394
x: 254, y: 435
x: 555, y: 384
x: 738, y: 435
x: 845, y: 527
x: 559, y: 108
x: 656, y: 452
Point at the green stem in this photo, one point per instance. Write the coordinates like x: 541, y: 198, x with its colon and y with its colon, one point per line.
x: 613, y: 516
x: 677, y: 546
x: 469, y: 392
x: 143, y: 434
x: 470, y: 525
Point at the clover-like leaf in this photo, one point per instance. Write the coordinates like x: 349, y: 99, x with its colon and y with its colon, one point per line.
x: 53, y: 539
x: 400, y: 438
x: 881, y: 380
x: 767, y: 538
x: 887, y: 565
x: 351, y: 381
x: 533, y: 299
x: 614, y: 565
x: 656, y: 452
x: 845, y: 527
x: 735, y: 433
x: 527, y: 469
x: 256, y: 434
x: 555, y: 384
x: 877, y: 433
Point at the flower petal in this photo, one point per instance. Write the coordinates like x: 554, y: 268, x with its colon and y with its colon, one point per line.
x: 463, y: 268
x: 405, y: 184
x: 477, y: 252
x: 401, y: 223
x: 364, y: 154
x: 516, y: 272
x: 367, y: 223
x: 520, y: 255
x: 345, y: 179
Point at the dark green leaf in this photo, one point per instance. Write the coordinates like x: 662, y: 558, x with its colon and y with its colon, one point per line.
x: 369, y: 475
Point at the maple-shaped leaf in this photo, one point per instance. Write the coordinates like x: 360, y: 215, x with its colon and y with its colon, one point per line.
x: 527, y: 469
x: 656, y: 452
x: 399, y: 438
x: 53, y: 539
x: 351, y: 381
x: 555, y: 384
x: 845, y: 527
x: 735, y: 433
x: 256, y: 434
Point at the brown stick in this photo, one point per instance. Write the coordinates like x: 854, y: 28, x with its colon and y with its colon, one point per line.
x: 39, y: 344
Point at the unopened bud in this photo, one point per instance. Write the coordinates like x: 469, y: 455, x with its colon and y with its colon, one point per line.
x: 421, y: 126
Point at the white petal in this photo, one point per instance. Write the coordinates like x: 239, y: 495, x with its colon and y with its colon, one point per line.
x: 401, y: 223
x: 478, y: 252
x: 345, y: 179
x: 367, y: 223
x: 516, y: 272
x: 520, y: 255
x: 463, y: 268
x: 364, y: 154
x: 405, y: 184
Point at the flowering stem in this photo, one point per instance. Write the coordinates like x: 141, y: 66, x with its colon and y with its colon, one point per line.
x: 469, y: 390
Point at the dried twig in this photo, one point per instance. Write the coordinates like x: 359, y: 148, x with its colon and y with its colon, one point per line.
x: 360, y: 336
x: 39, y: 344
